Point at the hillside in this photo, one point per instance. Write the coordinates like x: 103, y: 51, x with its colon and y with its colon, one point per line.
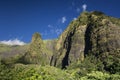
x: 11, y: 53
x: 93, y: 34
x: 37, y: 52
x: 89, y: 48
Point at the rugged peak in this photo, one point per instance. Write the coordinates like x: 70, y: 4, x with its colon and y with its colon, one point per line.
x: 37, y: 52
x: 84, y: 13
x: 36, y: 37
x: 97, y: 13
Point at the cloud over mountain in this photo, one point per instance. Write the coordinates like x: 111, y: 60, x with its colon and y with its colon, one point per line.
x: 63, y: 19
x: 13, y: 42
x: 84, y: 7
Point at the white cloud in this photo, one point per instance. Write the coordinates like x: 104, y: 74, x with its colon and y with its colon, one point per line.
x: 63, y: 19
x: 52, y: 31
x: 50, y: 26
x: 58, y: 31
x: 13, y: 42
x: 84, y: 7
x: 45, y: 33
x: 74, y: 18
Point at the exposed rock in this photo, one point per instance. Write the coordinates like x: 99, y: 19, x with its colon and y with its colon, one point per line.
x: 70, y: 45
x: 92, y: 33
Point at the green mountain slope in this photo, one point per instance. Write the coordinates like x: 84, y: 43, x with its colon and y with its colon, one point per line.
x: 37, y: 52
x: 11, y: 54
x: 93, y: 33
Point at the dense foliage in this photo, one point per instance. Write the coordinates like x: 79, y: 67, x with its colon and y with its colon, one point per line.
x: 37, y: 72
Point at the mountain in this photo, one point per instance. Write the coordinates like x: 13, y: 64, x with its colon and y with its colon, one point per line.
x: 11, y: 53
x: 93, y: 33
x: 89, y: 48
x: 37, y: 52
x: 50, y: 45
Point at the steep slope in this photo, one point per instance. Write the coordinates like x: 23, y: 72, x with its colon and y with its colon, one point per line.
x: 37, y: 52
x: 103, y: 41
x: 102, y: 35
x: 70, y: 45
x: 92, y: 33
x: 50, y: 44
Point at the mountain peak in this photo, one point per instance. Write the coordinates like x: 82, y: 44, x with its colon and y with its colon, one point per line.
x: 91, y: 13
x: 97, y: 13
x: 36, y: 36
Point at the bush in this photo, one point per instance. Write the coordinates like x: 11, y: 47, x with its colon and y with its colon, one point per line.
x: 97, y: 75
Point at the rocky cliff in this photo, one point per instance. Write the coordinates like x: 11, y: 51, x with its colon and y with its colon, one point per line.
x: 93, y: 33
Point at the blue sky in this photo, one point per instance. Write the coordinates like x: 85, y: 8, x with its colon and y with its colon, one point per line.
x: 19, y: 19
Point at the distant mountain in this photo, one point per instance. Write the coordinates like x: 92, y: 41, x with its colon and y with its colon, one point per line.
x: 11, y: 53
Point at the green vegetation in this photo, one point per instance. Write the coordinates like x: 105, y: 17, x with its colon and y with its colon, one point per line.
x: 89, y: 49
x: 11, y: 54
x: 37, y: 72
x: 37, y: 52
x: 4, y: 48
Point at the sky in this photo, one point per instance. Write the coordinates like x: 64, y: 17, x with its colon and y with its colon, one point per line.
x: 20, y: 19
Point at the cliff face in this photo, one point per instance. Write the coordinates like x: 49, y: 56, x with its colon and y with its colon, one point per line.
x: 91, y: 34
x: 37, y: 52
x: 103, y: 37
x: 70, y: 45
